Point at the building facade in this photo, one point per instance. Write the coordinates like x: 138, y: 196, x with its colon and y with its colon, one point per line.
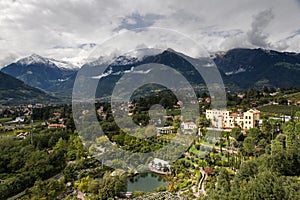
x: 188, y: 125
x: 228, y: 120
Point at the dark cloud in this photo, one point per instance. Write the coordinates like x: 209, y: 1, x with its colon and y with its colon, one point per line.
x: 136, y: 20
x: 295, y: 33
x: 256, y: 35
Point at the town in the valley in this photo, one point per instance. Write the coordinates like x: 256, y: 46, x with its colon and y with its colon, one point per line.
x: 255, y: 137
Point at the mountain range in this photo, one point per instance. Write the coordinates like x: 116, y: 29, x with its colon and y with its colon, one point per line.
x: 240, y: 69
x: 257, y: 68
x: 40, y: 72
x: 14, y: 91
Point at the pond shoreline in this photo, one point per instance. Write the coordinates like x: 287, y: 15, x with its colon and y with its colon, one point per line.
x: 146, y: 182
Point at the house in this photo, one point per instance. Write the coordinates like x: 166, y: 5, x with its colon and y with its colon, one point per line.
x: 17, y: 120
x: 56, y: 126
x: 167, y: 118
x: 216, y: 117
x: 188, y: 125
x: 160, y: 165
x: 228, y: 120
x: 283, y: 118
x: 165, y: 130
x: 22, y: 135
x: 179, y: 103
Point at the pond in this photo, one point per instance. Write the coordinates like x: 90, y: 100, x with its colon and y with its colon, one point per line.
x: 146, y: 182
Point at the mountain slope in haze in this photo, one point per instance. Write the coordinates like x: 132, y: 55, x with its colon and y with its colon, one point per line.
x: 240, y: 69
x: 122, y: 65
x: 257, y: 68
x: 40, y: 72
x: 14, y: 91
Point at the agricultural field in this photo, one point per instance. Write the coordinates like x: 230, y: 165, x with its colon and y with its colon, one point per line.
x: 279, y: 109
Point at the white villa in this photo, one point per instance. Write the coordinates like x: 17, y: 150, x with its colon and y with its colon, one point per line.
x: 228, y: 120
x: 165, y: 130
x: 188, y: 125
x: 160, y: 164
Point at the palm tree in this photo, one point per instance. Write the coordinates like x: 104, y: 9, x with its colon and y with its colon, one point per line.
x: 221, y: 144
x: 226, y: 134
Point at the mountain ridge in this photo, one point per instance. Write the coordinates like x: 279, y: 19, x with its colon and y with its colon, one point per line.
x: 240, y: 68
x: 15, y: 91
x: 259, y: 68
x: 39, y: 72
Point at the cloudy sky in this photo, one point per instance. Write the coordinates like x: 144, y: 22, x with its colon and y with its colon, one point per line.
x: 62, y: 28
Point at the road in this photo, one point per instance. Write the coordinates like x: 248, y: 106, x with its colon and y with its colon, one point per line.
x: 218, y: 149
x: 201, y: 189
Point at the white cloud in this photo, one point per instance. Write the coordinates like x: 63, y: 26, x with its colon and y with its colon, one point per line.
x: 34, y: 26
x: 256, y: 35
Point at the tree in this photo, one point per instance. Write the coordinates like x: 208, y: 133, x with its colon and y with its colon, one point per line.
x: 267, y: 185
x: 221, y: 144
x: 61, y: 145
x: 249, y: 145
x: 94, y: 186
x: 203, y: 122
x: 266, y: 128
x: 75, y: 148
x: 297, y: 129
x: 39, y: 164
x: 112, y: 186
x: 236, y: 132
x: 247, y: 170
x: 254, y: 133
x: 288, y: 130
x: 224, y: 180
x: 83, y: 184
x: 46, y: 190
x: 297, y: 116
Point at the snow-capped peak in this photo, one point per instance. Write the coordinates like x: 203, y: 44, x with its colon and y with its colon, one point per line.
x: 124, y: 60
x: 63, y: 64
x: 34, y: 58
x: 37, y: 59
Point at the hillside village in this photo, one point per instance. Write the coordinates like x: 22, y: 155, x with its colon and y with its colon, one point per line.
x: 226, y: 142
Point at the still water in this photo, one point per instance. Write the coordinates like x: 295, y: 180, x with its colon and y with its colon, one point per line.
x: 146, y: 182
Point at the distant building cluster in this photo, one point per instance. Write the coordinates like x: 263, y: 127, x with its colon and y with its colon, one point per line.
x: 56, y: 126
x: 228, y: 120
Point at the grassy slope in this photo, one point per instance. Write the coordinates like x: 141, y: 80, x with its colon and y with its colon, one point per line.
x: 279, y: 109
